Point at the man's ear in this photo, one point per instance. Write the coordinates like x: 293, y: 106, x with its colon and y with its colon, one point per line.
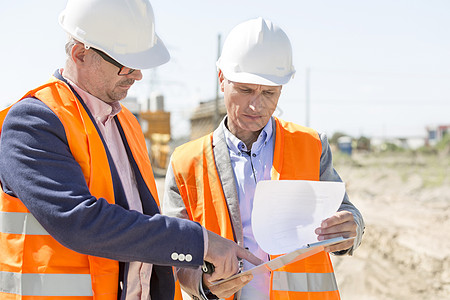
x: 221, y: 80
x: 78, y: 53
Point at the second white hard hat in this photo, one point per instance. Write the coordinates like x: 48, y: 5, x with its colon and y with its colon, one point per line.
x: 259, y: 52
x: 123, y: 29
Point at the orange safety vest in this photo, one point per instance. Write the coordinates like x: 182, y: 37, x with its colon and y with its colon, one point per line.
x: 33, y: 265
x: 296, y: 157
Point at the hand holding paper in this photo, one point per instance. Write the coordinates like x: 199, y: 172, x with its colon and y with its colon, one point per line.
x: 286, y: 213
x: 341, y: 223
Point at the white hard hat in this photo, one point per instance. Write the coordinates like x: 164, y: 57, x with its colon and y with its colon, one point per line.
x: 123, y: 29
x: 258, y: 52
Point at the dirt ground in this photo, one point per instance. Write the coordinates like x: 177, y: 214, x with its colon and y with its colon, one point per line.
x: 405, y: 201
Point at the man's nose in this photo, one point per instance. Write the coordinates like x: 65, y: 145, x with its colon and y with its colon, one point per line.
x: 136, y: 75
x: 256, y: 102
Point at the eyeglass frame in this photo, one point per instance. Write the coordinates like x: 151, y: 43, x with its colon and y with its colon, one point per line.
x: 109, y: 59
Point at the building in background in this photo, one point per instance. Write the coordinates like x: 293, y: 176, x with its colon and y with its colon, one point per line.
x: 436, y: 133
x: 206, y: 117
x: 345, y: 144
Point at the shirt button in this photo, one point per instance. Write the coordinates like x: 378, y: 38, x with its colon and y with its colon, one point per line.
x: 181, y: 257
x: 188, y: 257
x: 254, y: 155
x: 174, y: 256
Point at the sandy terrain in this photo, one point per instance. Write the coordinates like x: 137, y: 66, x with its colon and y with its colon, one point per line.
x: 405, y: 200
x: 405, y: 254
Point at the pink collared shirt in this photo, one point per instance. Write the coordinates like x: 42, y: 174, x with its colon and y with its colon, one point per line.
x: 138, y: 279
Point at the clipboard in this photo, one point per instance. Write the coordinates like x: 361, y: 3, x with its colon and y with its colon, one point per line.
x: 288, y: 258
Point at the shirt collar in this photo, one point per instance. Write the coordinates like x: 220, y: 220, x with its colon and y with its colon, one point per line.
x: 99, y: 109
x: 237, y: 146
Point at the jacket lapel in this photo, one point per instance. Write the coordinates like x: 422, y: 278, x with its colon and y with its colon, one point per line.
x: 226, y: 175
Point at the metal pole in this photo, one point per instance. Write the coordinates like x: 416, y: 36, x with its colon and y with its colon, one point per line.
x: 307, y: 96
x: 216, y: 112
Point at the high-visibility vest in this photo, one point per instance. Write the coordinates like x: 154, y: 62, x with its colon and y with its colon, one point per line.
x: 296, y: 157
x: 33, y: 265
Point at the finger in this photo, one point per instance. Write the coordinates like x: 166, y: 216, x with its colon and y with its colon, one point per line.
x: 339, y: 247
x: 228, y: 268
x: 248, y: 256
x: 229, y: 288
x: 217, y: 275
x: 323, y: 237
x: 221, y: 274
x: 338, y: 218
x: 340, y: 228
x: 228, y: 285
x: 238, y: 284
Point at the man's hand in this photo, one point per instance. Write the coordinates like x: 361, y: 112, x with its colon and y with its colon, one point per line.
x: 340, y: 224
x: 224, y: 254
x: 228, y: 288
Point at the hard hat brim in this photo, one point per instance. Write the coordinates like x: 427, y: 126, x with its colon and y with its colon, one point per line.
x: 151, y: 58
x: 262, y: 79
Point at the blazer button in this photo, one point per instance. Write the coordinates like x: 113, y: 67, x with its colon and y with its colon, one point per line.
x: 174, y: 256
x: 188, y: 257
x: 181, y: 257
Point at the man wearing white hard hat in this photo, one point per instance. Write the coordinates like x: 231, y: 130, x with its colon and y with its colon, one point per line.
x: 212, y: 180
x: 79, y: 211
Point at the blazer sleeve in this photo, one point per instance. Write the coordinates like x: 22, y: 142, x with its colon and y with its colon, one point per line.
x: 328, y: 173
x: 36, y: 166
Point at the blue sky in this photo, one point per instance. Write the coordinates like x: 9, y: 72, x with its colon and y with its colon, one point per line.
x: 377, y: 68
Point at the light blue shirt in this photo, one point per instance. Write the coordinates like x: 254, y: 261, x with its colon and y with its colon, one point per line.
x: 249, y: 167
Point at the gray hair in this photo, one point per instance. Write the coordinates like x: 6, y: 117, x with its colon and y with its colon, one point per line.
x: 70, y: 43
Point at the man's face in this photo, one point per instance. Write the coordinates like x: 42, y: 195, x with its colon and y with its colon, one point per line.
x: 249, y: 106
x: 100, y: 79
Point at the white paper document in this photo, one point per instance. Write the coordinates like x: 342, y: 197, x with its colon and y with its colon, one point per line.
x: 287, y: 212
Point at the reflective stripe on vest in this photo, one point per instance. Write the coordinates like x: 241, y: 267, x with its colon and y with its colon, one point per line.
x: 46, y: 284
x: 20, y: 223
x: 304, y: 282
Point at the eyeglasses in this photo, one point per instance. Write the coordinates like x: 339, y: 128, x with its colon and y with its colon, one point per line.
x: 122, y: 69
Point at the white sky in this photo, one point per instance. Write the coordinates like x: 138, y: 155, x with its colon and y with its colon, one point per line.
x: 378, y: 68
